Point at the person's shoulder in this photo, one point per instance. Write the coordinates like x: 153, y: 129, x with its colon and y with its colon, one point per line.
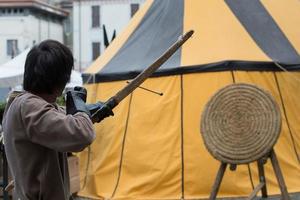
x: 29, y: 98
x: 30, y: 102
x: 17, y: 100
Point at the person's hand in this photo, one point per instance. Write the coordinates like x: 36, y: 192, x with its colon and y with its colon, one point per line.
x: 99, y: 111
x: 76, y: 99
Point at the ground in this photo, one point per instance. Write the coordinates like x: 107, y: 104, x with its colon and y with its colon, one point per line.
x: 292, y: 196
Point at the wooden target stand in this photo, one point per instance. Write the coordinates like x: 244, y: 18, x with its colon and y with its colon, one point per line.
x: 240, y: 124
x: 262, y: 180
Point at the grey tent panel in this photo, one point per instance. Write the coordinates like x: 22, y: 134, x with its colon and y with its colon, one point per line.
x: 264, y: 30
x: 152, y: 37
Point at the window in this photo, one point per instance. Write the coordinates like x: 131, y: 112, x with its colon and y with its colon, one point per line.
x: 96, y: 50
x: 11, y: 11
x: 134, y: 7
x: 12, y: 47
x: 95, y: 16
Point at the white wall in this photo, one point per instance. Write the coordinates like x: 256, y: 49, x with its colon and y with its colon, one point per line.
x: 14, y: 29
x: 56, y: 30
x: 27, y: 30
x: 115, y: 14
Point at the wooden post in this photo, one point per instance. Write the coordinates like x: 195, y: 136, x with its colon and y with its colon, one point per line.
x: 255, y: 191
x: 262, y: 178
x: 262, y: 185
x: 279, y: 176
x: 218, y: 181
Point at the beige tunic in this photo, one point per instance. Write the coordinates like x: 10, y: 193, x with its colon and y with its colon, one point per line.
x: 37, y: 136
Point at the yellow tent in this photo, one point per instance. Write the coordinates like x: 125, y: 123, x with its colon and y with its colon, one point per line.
x: 152, y: 147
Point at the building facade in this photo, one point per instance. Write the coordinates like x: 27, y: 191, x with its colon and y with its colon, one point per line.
x: 26, y: 22
x: 89, y: 16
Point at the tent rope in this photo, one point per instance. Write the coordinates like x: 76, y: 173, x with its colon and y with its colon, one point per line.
x: 287, y: 120
x: 232, y: 75
x: 285, y: 70
x: 182, y: 137
x: 250, y: 176
x: 123, y: 147
x: 87, y: 167
x: 91, y: 76
x: 89, y: 151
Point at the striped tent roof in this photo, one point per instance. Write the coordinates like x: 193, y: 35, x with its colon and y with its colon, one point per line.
x: 229, y: 35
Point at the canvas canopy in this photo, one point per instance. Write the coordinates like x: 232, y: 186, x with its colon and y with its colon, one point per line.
x: 152, y: 147
x: 11, y: 73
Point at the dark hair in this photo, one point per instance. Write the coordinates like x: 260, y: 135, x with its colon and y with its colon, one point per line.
x: 48, y: 67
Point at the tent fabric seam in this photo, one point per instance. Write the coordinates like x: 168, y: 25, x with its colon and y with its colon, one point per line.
x: 212, y: 67
x: 182, y: 136
x: 286, y: 117
x: 123, y: 147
